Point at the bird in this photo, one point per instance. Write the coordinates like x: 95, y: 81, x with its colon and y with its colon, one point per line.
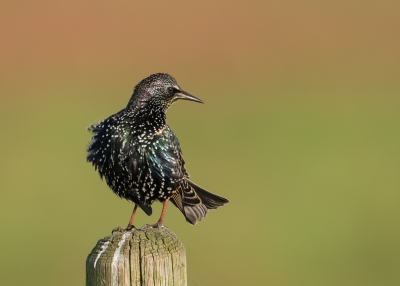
x: 140, y: 157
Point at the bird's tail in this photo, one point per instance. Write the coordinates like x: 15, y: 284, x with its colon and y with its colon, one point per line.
x: 194, y: 201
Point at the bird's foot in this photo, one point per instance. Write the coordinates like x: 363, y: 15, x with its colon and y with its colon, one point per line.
x: 156, y: 225
x: 122, y: 230
x: 117, y: 229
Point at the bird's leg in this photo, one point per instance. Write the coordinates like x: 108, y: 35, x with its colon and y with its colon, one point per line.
x: 161, y: 220
x: 164, y: 208
x: 130, y: 225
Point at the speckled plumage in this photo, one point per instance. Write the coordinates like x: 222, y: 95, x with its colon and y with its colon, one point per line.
x: 140, y: 157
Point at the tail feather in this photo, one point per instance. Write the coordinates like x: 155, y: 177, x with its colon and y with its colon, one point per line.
x: 194, y: 201
x: 212, y: 201
x: 194, y: 214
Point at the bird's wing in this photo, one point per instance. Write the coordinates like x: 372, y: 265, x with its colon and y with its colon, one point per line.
x: 165, y: 159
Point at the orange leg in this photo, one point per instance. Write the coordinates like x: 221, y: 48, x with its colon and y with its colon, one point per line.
x: 129, y: 227
x: 164, y: 208
x: 161, y: 220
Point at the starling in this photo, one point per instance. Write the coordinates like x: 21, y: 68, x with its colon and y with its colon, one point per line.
x: 140, y: 157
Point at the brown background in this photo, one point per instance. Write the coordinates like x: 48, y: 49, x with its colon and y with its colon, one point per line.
x: 300, y: 131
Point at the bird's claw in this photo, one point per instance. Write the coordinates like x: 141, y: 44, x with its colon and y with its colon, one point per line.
x: 156, y: 225
x: 122, y: 230
x: 117, y: 229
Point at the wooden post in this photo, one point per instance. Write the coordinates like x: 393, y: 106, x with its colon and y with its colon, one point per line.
x: 153, y: 256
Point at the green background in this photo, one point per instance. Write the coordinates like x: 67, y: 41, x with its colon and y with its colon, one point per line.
x: 300, y: 131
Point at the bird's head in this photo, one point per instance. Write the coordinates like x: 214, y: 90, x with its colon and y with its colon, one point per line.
x: 157, y: 92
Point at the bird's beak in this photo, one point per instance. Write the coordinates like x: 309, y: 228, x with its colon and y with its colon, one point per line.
x: 186, y: 96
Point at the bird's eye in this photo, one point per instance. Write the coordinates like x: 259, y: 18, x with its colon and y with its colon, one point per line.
x: 171, y: 90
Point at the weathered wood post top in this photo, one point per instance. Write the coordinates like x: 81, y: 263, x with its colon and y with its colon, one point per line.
x: 152, y: 256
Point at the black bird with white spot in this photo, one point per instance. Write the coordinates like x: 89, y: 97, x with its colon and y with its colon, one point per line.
x: 140, y: 157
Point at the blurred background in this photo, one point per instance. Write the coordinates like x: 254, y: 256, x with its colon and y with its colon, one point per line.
x: 300, y: 131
